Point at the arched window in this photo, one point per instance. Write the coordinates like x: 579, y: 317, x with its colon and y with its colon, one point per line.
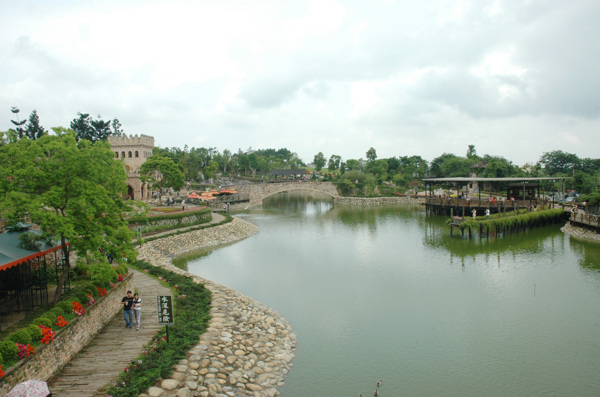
x: 117, y: 154
x: 137, y: 154
x: 122, y: 155
x: 129, y: 154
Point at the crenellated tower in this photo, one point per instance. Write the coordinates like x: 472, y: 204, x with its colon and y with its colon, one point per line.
x: 133, y: 150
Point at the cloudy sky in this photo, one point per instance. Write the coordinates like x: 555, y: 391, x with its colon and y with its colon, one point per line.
x: 516, y: 78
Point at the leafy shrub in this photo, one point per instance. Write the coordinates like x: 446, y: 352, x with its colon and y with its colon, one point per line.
x: 43, y: 321
x: 51, y: 316
x: 35, y: 332
x: 21, y: 336
x: 65, y: 306
x: 122, y: 269
x: 103, y: 273
x: 82, y: 269
x: 8, y: 350
x: 91, y: 289
x: 57, y: 310
x: 82, y: 297
x: 1, y: 360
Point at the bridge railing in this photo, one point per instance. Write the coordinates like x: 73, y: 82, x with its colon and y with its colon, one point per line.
x: 586, y: 219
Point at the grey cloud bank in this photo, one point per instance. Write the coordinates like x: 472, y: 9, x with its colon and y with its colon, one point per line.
x: 513, y: 78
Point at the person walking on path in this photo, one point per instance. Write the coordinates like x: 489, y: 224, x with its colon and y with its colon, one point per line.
x: 137, y: 311
x: 183, y: 205
x: 127, y: 305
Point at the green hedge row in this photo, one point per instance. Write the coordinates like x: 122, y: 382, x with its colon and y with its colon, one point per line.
x: 508, y: 222
x: 228, y: 218
x: 204, y: 214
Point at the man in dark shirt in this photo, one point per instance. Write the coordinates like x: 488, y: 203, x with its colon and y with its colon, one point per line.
x: 127, y: 306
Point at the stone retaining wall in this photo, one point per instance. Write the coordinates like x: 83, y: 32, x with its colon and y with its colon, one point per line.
x: 580, y: 232
x: 374, y: 201
x: 247, y: 349
x: 50, y: 359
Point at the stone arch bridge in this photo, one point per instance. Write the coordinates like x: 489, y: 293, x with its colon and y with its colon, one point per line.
x: 257, y: 192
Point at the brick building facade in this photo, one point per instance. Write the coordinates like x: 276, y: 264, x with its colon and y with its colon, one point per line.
x: 133, y: 151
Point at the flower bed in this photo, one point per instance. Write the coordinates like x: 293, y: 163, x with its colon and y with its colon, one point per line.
x: 55, y: 349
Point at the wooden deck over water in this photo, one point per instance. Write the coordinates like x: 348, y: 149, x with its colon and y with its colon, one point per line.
x: 463, y: 207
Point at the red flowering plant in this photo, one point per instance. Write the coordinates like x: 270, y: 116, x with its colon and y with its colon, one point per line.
x: 61, y: 322
x: 1, y: 371
x: 91, y: 299
x: 47, y: 334
x: 102, y: 291
x: 24, y: 350
x: 78, y: 309
x: 120, y: 277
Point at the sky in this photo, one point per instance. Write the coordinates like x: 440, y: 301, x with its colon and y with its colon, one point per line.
x: 515, y: 78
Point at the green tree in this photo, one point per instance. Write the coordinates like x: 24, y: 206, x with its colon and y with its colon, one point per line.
x: 353, y: 164
x: 7, y: 137
x: 253, y: 163
x: 18, y: 123
x: 211, y: 169
x: 471, y: 152
x: 379, y: 169
x: 559, y: 162
x: 71, y: 190
x: 455, y: 167
x: 33, y: 129
x: 356, y: 183
x: 437, y: 163
x: 371, y: 155
x: 226, y: 158
x: 161, y: 173
x: 319, y: 161
x: 95, y: 130
x: 334, y: 162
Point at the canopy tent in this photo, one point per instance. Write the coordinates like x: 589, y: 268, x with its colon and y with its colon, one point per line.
x: 193, y: 195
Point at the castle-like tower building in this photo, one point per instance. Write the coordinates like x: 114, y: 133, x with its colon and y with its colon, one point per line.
x: 133, y: 152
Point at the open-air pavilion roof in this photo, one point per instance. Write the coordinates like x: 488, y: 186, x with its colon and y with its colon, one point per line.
x: 482, y: 179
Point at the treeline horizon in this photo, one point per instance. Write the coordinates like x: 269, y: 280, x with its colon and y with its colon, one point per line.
x: 202, y: 163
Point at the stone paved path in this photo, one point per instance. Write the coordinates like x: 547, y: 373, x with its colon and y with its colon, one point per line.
x: 113, y: 349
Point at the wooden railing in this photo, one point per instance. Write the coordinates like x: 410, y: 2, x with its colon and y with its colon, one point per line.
x: 457, y: 202
x: 586, y: 219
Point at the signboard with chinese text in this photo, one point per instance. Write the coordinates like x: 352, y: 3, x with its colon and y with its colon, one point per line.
x: 165, y: 310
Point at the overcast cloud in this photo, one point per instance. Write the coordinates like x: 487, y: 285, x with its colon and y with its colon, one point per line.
x: 515, y: 78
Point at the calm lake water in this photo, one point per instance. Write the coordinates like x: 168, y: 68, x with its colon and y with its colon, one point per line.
x: 386, y: 293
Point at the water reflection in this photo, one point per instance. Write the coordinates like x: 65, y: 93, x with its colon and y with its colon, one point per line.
x: 387, y: 293
x: 534, y: 241
x: 298, y: 202
x: 589, y: 253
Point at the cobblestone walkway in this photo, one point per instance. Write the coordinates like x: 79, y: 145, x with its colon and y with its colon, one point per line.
x: 113, y: 349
